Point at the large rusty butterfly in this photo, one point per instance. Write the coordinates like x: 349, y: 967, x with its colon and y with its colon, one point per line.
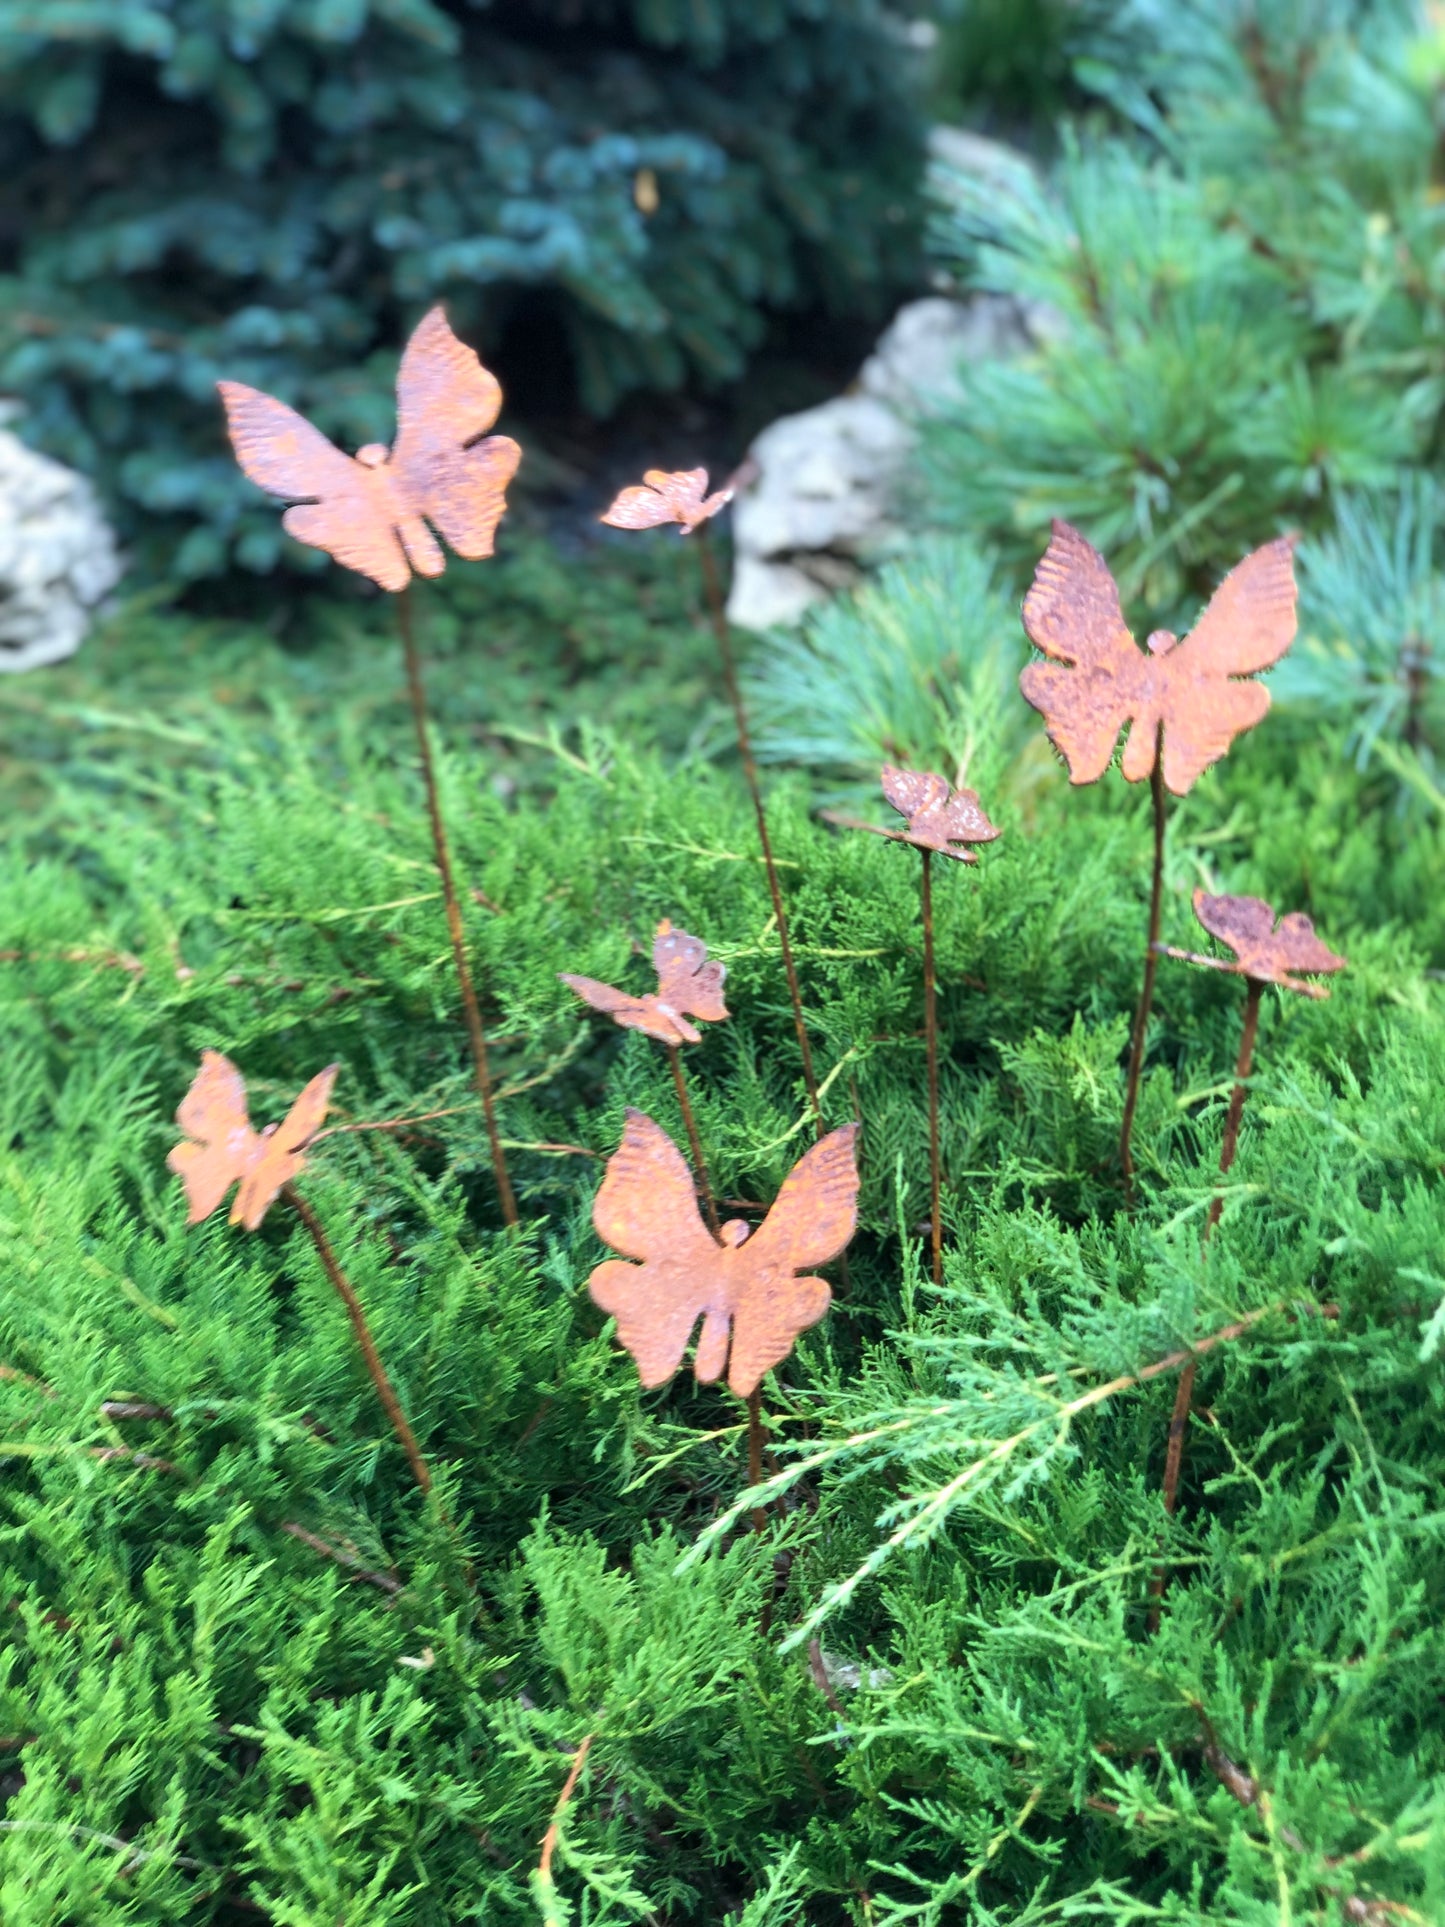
x: 371, y: 513
x: 744, y: 1288
x: 688, y: 985
x: 221, y: 1148
x: 1099, y: 680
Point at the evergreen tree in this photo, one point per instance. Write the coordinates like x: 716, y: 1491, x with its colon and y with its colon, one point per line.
x: 273, y: 190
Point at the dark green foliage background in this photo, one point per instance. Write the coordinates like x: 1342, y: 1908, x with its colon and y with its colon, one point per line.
x: 274, y: 190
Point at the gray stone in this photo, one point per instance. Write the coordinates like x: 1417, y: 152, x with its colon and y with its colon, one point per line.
x: 825, y: 499
x: 58, y: 557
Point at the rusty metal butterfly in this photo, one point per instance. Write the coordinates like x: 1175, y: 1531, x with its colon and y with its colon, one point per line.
x: 1268, y: 952
x: 939, y: 818
x: 667, y: 497
x: 1099, y: 680
x: 371, y: 513
x: 745, y: 1288
x: 688, y: 985
x: 221, y: 1148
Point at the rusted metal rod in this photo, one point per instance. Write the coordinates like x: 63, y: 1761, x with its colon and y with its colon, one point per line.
x: 1184, y: 1394
x: 717, y: 610
x: 343, y: 1287
x: 1151, y: 971
x: 1243, y: 1066
x: 709, y: 1204
x: 755, y: 1452
x: 930, y: 1033
x: 470, y: 1007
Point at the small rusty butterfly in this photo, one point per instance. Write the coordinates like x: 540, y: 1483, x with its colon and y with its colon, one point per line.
x: 746, y: 1289
x: 664, y: 497
x: 1266, y: 951
x: 371, y: 512
x: 688, y: 985
x: 1195, y: 692
x: 221, y: 1148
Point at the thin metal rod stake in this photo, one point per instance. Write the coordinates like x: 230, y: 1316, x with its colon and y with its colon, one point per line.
x: 1244, y: 1064
x: 1184, y: 1394
x: 470, y: 1007
x: 930, y: 1032
x: 342, y: 1284
x: 755, y: 1452
x: 717, y: 610
x: 674, y: 1058
x: 1151, y: 971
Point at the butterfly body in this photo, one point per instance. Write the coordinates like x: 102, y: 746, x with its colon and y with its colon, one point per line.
x: 743, y: 1285
x: 1189, y: 696
x: 375, y: 512
x: 221, y: 1148
x: 688, y: 985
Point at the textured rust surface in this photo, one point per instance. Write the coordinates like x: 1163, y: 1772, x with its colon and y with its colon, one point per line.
x: 687, y: 986
x: 939, y: 818
x: 1270, y: 953
x: 1098, y: 679
x: 744, y: 1288
x: 371, y: 512
x: 222, y: 1149
x: 681, y: 497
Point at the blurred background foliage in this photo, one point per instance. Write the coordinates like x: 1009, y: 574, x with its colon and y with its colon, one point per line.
x: 611, y: 195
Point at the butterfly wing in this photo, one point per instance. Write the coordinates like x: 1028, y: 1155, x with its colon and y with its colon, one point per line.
x: 664, y: 498
x: 633, y: 1013
x: 1298, y: 948
x: 1248, y: 625
x: 965, y: 821
x: 281, y: 1155
x: 647, y: 1209
x: 1072, y: 613
x: 912, y: 790
x: 813, y: 1217
x: 1246, y: 924
x: 686, y: 980
x: 219, y: 1142
x: 445, y: 465
x: 339, y: 506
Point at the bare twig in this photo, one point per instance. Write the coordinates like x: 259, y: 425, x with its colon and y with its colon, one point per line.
x: 383, y: 1581
x: 564, y: 1798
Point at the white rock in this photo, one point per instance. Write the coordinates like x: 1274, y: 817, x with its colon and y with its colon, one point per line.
x: 828, y: 483
x: 58, y: 557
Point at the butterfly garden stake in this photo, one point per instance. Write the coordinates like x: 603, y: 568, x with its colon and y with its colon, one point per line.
x: 940, y: 821
x: 688, y: 985
x: 1184, y: 702
x: 1264, y: 953
x: 220, y: 1147
x: 745, y: 1288
x: 681, y: 498
x: 375, y: 513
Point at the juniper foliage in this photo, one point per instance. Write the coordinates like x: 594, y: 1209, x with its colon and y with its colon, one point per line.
x: 248, y: 1668
x: 273, y: 190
